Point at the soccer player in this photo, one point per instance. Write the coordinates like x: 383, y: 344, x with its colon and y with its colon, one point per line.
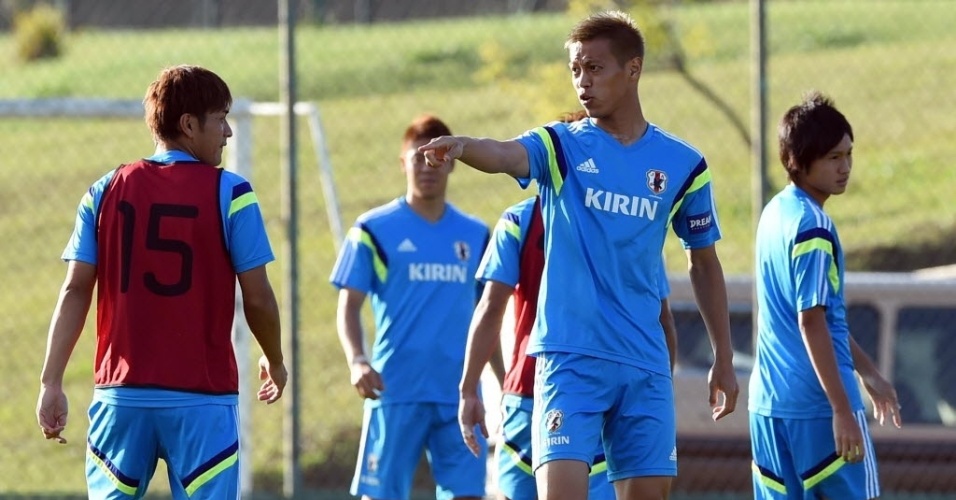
x: 417, y: 257
x: 610, y: 185
x: 512, y: 266
x: 808, y: 428
x: 164, y: 240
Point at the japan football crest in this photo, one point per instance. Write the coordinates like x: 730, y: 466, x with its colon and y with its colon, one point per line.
x: 553, y: 420
x: 656, y: 181
x: 462, y: 251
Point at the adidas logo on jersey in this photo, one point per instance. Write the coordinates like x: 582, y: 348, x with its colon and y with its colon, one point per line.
x: 674, y: 455
x: 588, y: 167
x: 407, y: 246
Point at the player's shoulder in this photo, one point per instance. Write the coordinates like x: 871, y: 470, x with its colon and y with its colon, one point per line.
x: 229, y: 178
x: 676, y: 147
x: 578, y: 128
x: 90, y: 199
x: 466, y: 219
x: 231, y: 182
x: 517, y: 215
x: 805, y: 213
x: 382, y: 214
x: 520, y: 209
x: 105, y: 179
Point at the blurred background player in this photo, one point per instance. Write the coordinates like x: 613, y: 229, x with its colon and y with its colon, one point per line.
x: 164, y: 240
x: 417, y: 257
x: 610, y: 185
x: 808, y: 428
x: 512, y: 266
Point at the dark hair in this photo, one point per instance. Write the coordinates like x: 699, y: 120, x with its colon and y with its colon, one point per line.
x: 810, y: 130
x: 424, y: 128
x: 573, y: 116
x: 180, y: 90
x: 626, y: 39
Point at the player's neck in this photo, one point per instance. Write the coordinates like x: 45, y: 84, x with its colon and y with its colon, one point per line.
x: 430, y: 209
x: 819, y: 196
x: 627, y: 124
x: 162, y: 147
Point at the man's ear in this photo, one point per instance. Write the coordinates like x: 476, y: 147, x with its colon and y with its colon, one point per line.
x: 188, y: 125
x: 634, y: 67
x: 796, y: 171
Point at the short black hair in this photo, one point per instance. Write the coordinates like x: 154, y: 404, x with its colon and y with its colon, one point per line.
x: 810, y: 130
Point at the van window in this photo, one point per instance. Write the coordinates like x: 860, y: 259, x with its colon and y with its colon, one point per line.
x: 693, y: 344
x: 864, y: 322
x: 925, y: 365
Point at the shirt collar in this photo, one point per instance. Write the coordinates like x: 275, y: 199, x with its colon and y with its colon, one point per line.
x: 171, y: 156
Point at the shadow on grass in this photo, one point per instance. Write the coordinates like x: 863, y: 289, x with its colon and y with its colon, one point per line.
x: 931, y: 249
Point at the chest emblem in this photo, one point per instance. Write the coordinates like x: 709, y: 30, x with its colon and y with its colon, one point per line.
x: 656, y: 181
x: 462, y: 251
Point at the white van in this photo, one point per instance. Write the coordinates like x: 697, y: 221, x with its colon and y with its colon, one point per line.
x: 905, y: 321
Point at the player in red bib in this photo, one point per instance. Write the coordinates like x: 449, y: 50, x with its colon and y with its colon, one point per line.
x: 164, y: 240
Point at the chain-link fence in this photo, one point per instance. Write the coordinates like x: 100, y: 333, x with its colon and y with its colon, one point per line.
x: 489, y: 68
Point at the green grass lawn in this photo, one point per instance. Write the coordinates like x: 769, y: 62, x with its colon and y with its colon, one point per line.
x: 891, y: 67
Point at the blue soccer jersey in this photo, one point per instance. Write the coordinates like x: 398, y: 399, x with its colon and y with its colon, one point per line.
x: 799, y: 267
x: 245, y: 239
x: 502, y: 259
x: 421, y: 279
x: 606, y: 209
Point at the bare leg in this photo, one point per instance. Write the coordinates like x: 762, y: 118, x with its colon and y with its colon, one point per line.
x: 643, y: 488
x: 562, y: 480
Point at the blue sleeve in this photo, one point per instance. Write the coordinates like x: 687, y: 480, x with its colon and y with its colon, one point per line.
x: 360, y: 264
x: 695, y: 216
x: 537, y: 144
x: 245, y: 229
x: 501, y: 261
x: 82, y: 245
x: 816, y: 277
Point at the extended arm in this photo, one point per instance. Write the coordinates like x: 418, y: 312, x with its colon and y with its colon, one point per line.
x: 881, y: 392
x: 488, y: 155
x: 483, y: 341
x: 72, y: 306
x: 710, y: 292
x: 262, y: 313
x: 364, y: 378
x: 847, y: 436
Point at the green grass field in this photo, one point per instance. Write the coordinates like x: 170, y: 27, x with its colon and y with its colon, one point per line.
x: 891, y: 67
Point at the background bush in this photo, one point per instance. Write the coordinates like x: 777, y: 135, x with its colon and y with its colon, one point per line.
x: 39, y: 33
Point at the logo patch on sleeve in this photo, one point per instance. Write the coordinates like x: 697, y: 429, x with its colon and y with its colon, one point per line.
x: 700, y: 223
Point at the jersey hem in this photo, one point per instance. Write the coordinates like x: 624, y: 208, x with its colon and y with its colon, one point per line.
x: 252, y: 264
x: 633, y: 473
x: 534, y: 349
x: 795, y: 415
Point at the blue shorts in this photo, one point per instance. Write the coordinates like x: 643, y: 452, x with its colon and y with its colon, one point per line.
x: 513, y: 456
x: 200, y: 445
x: 795, y: 459
x: 393, y: 437
x: 579, y: 399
